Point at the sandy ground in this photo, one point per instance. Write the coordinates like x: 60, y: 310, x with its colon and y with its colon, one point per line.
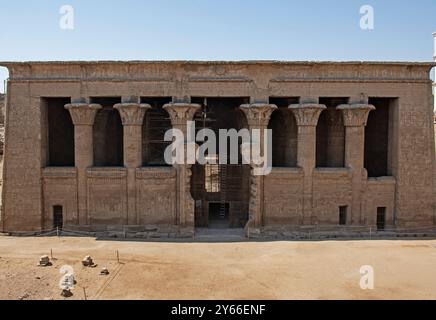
x: 245, y: 270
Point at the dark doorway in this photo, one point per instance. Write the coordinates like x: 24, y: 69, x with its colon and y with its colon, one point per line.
x: 343, y: 215
x: 219, y: 215
x: 58, y: 218
x: 108, y: 134
x: 330, y: 135
x: 60, y: 133
x: 284, y: 133
x: 377, y: 137
x: 381, y: 218
x: 220, y: 183
x: 156, y: 122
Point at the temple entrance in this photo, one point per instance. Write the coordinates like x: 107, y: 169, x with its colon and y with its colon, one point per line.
x: 220, y: 191
x: 218, y: 215
x: 58, y: 219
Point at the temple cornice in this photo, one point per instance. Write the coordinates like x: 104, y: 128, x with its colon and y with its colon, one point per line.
x: 226, y: 71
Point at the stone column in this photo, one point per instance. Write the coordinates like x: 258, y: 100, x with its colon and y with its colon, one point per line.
x: 306, y: 116
x: 258, y: 116
x: 83, y: 115
x: 180, y: 114
x: 355, y: 119
x: 132, y: 117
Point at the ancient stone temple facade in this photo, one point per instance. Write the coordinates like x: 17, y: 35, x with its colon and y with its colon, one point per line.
x: 353, y: 146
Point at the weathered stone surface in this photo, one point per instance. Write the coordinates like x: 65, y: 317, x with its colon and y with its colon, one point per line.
x: 180, y: 114
x: 87, y: 261
x: 355, y: 115
x: 94, y: 198
x: 83, y: 113
x: 2, y: 122
x: 258, y: 116
x: 307, y: 114
x: 104, y: 271
x: 44, y: 261
x: 132, y: 114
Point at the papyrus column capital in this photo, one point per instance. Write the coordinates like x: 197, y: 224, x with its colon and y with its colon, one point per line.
x: 307, y: 114
x: 83, y: 113
x: 355, y: 115
x: 132, y: 117
x: 132, y: 114
x: 180, y: 113
x: 355, y: 119
x: 83, y: 116
x: 258, y: 114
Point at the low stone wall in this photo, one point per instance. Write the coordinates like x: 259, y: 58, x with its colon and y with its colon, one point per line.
x: 130, y: 232
x: 335, y: 232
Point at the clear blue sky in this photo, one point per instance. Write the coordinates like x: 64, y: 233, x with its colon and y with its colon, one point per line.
x: 216, y: 30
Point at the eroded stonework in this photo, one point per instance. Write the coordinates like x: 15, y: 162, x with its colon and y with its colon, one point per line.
x: 385, y: 184
x: 2, y: 123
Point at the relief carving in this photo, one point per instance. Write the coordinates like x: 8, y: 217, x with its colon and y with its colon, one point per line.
x: 83, y: 113
x: 258, y: 114
x: 108, y: 173
x: 180, y: 113
x: 307, y: 114
x: 156, y: 173
x: 355, y: 115
x: 132, y: 114
x: 59, y: 172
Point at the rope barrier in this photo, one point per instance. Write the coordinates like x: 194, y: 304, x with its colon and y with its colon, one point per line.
x: 309, y: 231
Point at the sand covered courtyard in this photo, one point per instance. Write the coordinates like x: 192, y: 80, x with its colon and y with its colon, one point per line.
x: 240, y: 270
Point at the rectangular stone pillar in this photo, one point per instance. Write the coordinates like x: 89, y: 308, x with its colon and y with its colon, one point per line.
x: 180, y: 114
x: 258, y: 116
x: 306, y: 116
x: 355, y: 119
x: 132, y: 117
x: 83, y: 115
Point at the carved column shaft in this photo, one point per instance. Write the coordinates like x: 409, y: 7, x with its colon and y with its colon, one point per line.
x: 83, y: 116
x: 132, y: 117
x: 306, y: 116
x: 258, y: 116
x: 180, y: 114
x: 355, y: 119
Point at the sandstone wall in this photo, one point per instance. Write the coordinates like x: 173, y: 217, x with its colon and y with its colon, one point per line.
x: 2, y: 122
x: 31, y: 189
